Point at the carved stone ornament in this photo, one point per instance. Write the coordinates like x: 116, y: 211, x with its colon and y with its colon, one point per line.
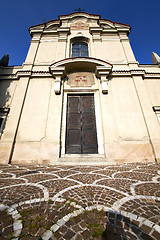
x: 57, y: 73
x: 79, y: 25
x: 103, y: 73
x: 81, y: 79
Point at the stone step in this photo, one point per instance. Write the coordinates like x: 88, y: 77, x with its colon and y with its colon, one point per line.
x: 82, y: 161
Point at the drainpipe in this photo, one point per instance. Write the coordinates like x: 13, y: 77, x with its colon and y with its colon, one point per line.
x: 20, y: 115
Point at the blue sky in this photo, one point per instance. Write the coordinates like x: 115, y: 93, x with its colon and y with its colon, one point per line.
x: 18, y: 15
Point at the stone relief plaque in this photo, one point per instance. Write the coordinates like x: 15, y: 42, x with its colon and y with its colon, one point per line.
x: 79, y: 26
x: 81, y: 79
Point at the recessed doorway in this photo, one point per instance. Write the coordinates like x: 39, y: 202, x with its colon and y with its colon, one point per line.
x: 81, y: 134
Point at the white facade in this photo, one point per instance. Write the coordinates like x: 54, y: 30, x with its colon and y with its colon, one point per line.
x: 33, y: 97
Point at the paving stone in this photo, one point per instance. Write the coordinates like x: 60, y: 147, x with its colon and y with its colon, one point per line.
x: 156, y: 235
x: 69, y: 234
x: 79, y: 237
x: 77, y: 197
x: 146, y: 236
x: 86, y: 234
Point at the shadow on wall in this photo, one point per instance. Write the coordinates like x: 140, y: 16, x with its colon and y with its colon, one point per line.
x: 4, y: 84
x: 4, y: 93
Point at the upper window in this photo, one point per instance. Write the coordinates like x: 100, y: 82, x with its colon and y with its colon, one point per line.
x: 79, y: 49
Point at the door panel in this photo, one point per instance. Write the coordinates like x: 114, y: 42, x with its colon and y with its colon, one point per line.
x: 81, y: 136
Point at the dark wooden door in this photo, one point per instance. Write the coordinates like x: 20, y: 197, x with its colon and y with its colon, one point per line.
x: 81, y: 135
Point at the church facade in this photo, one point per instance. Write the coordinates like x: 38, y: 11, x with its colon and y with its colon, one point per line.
x: 80, y: 96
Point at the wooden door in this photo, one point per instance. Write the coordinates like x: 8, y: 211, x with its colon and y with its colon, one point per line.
x: 81, y: 135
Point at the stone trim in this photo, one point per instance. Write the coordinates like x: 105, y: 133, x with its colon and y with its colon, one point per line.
x: 114, y: 73
x: 26, y: 73
x: 98, y: 127
x: 135, y: 72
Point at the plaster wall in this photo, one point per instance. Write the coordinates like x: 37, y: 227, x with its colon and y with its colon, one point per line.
x: 7, y: 89
x: 128, y: 51
x: 125, y: 133
x: 38, y: 136
x: 32, y: 52
x: 47, y: 51
x: 153, y: 88
x: 109, y: 50
x: 7, y: 138
x: 61, y: 50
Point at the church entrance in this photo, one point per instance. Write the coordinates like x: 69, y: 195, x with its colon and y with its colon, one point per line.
x: 81, y: 134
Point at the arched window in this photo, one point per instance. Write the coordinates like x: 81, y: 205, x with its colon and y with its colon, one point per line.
x: 79, y: 49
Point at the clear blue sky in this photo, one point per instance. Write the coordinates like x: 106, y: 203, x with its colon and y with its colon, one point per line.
x: 16, y: 16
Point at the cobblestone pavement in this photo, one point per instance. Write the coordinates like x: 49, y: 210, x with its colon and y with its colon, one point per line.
x: 80, y: 202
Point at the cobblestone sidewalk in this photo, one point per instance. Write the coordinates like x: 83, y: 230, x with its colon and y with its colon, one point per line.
x: 80, y: 202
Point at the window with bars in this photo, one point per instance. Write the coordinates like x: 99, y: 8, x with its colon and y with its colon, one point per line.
x: 79, y: 49
x: 3, y: 115
x: 156, y: 109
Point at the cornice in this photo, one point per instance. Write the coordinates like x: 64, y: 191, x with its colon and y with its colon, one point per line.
x: 8, y: 76
x: 26, y: 73
x: 104, y: 24
x: 114, y: 73
x: 126, y: 73
x: 152, y: 75
x: 79, y: 14
x: 135, y: 72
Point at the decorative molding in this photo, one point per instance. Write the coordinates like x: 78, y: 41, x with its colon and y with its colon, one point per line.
x: 103, y: 73
x: 26, y: 73
x: 86, y: 60
x: 156, y: 108
x: 57, y: 73
x: 135, y: 72
x: 8, y: 77
x: 63, y: 33
x: 132, y: 72
x: 100, y: 70
x: 152, y: 75
x: 79, y: 25
x: 96, y: 33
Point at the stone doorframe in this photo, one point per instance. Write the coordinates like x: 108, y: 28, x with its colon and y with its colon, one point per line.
x: 101, y: 69
x: 98, y: 125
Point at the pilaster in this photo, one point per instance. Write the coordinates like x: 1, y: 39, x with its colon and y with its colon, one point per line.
x: 150, y: 120
x: 8, y: 137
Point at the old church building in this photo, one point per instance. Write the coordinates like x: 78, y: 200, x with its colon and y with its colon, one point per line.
x: 80, y: 97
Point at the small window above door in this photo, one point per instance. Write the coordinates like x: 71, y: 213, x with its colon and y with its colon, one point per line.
x: 79, y: 49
